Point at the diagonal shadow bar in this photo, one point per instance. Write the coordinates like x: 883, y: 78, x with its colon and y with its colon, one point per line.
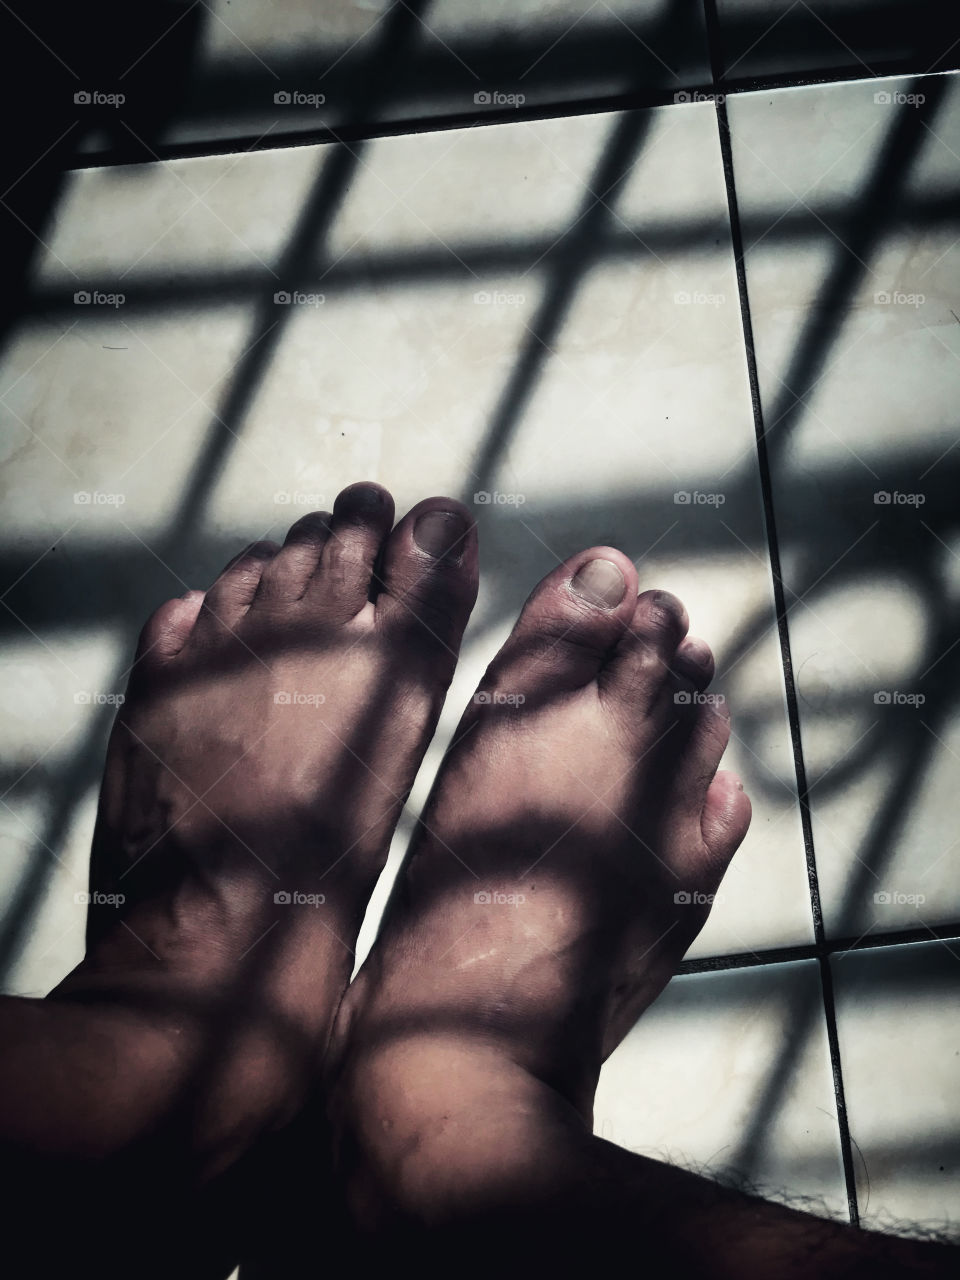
x: 863, y: 234
x: 577, y: 254
x: 568, y: 266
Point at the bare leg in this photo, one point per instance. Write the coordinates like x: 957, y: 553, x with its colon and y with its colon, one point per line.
x: 543, y: 906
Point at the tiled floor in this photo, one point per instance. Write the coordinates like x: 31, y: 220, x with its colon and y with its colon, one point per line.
x: 552, y: 311
x: 866, y: 284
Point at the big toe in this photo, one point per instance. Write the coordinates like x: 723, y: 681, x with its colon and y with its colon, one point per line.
x: 427, y: 584
x: 567, y: 628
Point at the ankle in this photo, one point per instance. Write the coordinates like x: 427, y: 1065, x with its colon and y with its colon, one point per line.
x: 431, y: 1126
x: 220, y: 1067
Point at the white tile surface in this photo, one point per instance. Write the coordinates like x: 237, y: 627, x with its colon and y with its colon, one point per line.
x: 898, y: 1018
x: 687, y: 1083
x: 872, y: 589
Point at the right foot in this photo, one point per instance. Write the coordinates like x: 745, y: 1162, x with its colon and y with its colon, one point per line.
x: 563, y: 866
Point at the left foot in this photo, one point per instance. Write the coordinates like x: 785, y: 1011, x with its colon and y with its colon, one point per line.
x: 271, y: 733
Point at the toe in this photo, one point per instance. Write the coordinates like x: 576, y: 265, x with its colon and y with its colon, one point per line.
x: 638, y: 676
x: 694, y: 662
x: 708, y: 812
x: 726, y: 816
x: 428, y: 583
x: 288, y: 574
x: 362, y: 518
x: 168, y: 628
x: 231, y: 595
x: 568, y: 626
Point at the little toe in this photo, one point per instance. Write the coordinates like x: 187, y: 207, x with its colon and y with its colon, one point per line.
x: 168, y: 628
x: 726, y: 816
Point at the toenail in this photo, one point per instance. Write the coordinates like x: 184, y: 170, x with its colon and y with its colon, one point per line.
x: 669, y: 604
x: 600, y: 582
x: 365, y: 497
x: 440, y: 533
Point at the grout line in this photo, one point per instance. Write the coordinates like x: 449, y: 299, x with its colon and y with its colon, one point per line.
x: 350, y: 133
x: 811, y: 951
x: 899, y: 938
x: 749, y: 959
x: 843, y: 1120
x: 773, y: 550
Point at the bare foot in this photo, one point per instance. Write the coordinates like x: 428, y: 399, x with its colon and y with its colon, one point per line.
x: 271, y: 733
x: 564, y: 864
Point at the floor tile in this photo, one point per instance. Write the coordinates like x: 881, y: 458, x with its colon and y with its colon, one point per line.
x: 771, y: 37
x: 850, y: 203
x: 715, y: 1054
x: 898, y: 1018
